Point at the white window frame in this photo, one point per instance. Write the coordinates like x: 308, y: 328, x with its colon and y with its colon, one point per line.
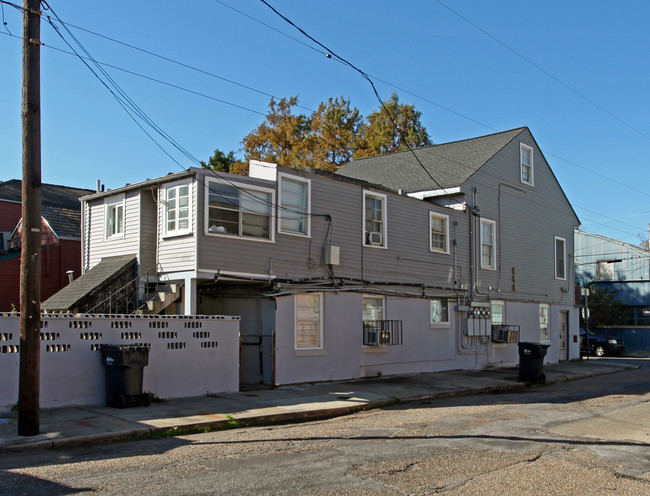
x: 110, y: 205
x: 502, y: 305
x: 493, y: 262
x: 176, y: 187
x: 522, y: 166
x: 297, y: 345
x: 365, y: 233
x: 559, y: 276
x: 382, y: 299
x: 439, y: 307
x: 544, y: 323
x: 242, y: 189
x: 436, y: 215
x: 284, y: 209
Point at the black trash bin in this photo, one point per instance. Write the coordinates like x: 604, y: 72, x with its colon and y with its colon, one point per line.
x: 124, y: 364
x: 531, y: 362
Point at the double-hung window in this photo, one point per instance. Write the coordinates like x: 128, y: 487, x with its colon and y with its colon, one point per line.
x: 526, y: 164
x: 498, y: 311
x: 374, y: 219
x: 560, y: 258
x: 114, y: 210
x: 178, y: 209
x: 488, y: 244
x: 294, y: 205
x: 439, y: 230
x: 309, y: 323
x: 439, y: 313
x: 243, y: 211
x: 544, y: 325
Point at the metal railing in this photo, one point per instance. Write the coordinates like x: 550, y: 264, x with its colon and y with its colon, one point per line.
x: 382, y: 332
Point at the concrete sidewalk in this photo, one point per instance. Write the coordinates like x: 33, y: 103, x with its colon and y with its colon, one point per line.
x: 64, y: 427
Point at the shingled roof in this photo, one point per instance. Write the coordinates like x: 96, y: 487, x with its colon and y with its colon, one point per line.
x: 450, y: 164
x: 96, y: 278
x: 60, y: 205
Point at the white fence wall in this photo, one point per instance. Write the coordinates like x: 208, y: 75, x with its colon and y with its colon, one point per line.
x: 189, y: 355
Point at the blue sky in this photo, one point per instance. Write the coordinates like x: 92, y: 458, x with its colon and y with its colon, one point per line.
x: 575, y: 73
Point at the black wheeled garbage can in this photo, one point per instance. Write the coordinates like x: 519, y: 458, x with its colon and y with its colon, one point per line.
x: 531, y: 362
x: 124, y: 364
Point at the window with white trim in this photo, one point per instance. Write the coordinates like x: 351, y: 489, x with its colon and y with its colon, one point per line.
x: 560, y: 258
x: 439, y: 232
x: 294, y: 204
x: 526, y: 164
x: 373, y: 308
x: 544, y: 323
x: 309, y: 323
x: 439, y: 313
x: 488, y: 244
x: 243, y: 211
x: 374, y: 219
x: 178, y: 218
x: 498, y: 312
x: 115, y: 219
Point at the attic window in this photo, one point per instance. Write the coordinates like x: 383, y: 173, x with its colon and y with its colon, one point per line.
x: 526, y: 164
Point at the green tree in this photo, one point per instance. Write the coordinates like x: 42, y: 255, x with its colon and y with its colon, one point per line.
x: 334, y: 129
x: 605, y: 308
x: 389, y: 128
x: 220, y: 161
x: 283, y: 137
x: 331, y: 136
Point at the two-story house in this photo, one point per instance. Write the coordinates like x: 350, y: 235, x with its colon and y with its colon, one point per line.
x: 338, y: 277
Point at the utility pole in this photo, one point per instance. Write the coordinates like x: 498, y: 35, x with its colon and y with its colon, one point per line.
x: 30, y: 257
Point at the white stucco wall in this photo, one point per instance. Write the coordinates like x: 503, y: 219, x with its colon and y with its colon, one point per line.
x: 189, y: 356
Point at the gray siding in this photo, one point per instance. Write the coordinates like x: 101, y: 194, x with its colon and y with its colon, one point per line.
x: 407, y: 258
x: 178, y: 253
x: 528, y: 220
x: 98, y: 245
x: 148, y: 231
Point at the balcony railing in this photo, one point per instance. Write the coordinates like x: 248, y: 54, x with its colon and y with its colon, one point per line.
x: 505, y: 333
x: 382, y: 332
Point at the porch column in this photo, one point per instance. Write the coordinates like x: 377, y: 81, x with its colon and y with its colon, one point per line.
x: 189, y: 296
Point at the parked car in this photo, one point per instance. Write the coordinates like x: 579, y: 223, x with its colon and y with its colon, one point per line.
x: 600, y: 345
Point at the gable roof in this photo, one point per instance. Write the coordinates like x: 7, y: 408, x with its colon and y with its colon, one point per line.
x: 450, y: 164
x: 59, y: 204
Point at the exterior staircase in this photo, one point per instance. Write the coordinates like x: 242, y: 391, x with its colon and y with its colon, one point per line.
x: 156, y: 302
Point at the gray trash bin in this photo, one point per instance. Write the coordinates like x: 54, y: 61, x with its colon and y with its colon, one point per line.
x: 531, y: 362
x: 124, y: 370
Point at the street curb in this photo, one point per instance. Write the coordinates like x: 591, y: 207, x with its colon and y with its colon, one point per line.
x: 237, y: 421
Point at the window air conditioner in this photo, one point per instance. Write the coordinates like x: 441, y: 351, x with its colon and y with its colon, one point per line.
x: 374, y: 238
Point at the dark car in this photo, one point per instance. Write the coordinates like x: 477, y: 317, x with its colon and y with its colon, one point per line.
x: 600, y: 345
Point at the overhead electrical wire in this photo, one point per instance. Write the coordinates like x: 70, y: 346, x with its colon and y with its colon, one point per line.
x: 259, y: 91
x: 544, y: 71
x: 331, y: 53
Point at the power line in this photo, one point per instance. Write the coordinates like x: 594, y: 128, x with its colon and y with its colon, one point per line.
x: 544, y: 71
x: 177, y: 62
x: 367, y: 78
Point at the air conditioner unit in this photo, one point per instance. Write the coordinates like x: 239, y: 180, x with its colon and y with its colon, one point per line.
x: 374, y: 238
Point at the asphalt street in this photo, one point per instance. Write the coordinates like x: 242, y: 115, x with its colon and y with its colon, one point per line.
x: 588, y: 436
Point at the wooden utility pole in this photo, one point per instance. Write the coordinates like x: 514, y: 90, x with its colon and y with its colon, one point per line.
x: 30, y: 258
